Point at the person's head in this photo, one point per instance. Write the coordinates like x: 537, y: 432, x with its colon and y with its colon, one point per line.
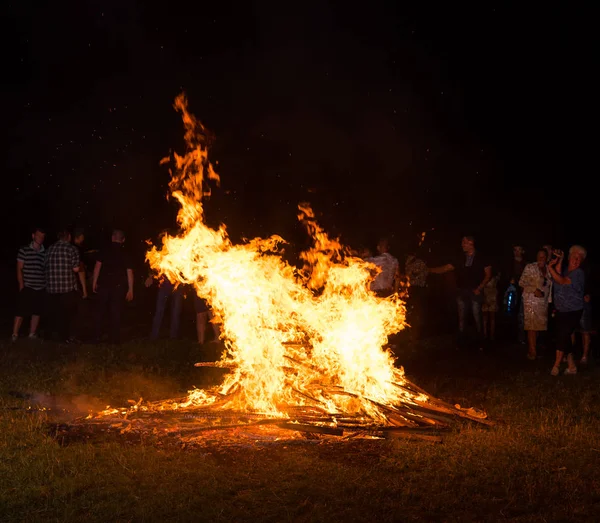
x: 78, y: 236
x: 364, y: 252
x: 118, y: 236
x: 518, y: 251
x: 468, y: 244
x: 64, y: 235
x: 577, y: 254
x: 541, y: 257
x: 38, y: 235
x: 383, y: 246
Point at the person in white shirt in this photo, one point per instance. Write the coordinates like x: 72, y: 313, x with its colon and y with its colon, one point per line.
x: 385, y: 283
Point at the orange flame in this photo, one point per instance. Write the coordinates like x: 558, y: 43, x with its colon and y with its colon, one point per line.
x: 291, y: 337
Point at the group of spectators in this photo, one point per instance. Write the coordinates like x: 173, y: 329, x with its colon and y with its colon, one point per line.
x: 54, y: 282
x: 550, y: 294
x: 549, y: 300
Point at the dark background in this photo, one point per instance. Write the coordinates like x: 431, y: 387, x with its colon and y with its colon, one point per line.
x: 391, y: 119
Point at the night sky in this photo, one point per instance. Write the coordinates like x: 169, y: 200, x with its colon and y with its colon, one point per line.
x: 389, y: 119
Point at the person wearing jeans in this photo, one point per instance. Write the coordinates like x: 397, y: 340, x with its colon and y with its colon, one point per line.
x: 472, y: 274
x: 166, y: 292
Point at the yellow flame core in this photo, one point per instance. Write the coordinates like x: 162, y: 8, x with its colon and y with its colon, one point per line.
x: 291, y: 337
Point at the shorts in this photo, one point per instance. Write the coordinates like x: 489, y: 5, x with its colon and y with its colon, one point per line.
x: 30, y: 302
x: 200, y: 305
x: 585, y: 325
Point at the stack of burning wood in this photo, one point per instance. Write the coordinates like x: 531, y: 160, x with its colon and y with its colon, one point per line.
x: 418, y: 416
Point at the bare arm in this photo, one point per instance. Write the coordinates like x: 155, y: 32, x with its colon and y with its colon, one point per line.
x: 97, y: 268
x: 487, y: 277
x: 20, y: 274
x: 555, y: 268
x: 442, y: 269
x: 129, y: 296
x: 561, y: 280
x: 83, y: 283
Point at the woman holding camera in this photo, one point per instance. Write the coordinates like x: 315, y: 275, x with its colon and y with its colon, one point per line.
x: 569, y: 289
x: 537, y: 288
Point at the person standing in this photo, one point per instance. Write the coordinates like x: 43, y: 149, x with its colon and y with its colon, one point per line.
x: 31, y: 276
x: 385, y: 283
x: 62, y: 265
x: 473, y: 272
x: 537, y: 289
x: 166, y: 291
x: 415, y: 270
x: 585, y: 325
x: 569, y: 291
x: 489, y: 307
x: 78, y: 239
x: 113, y: 284
x: 204, y: 316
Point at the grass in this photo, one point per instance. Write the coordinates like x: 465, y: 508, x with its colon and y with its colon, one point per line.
x: 540, y: 463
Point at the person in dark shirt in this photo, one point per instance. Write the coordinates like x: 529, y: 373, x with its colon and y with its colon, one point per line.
x: 473, y: 272
x: 113, y: 283
x: 78, y: 239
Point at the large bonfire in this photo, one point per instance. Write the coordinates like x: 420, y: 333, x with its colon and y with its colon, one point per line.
x: 305, y: 346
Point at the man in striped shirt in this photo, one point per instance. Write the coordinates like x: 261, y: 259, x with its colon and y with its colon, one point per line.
x: 31, y: 276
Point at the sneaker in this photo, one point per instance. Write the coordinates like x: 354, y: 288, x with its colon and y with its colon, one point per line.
x: 571, y: 372
x: 583, y: 360
x: 32, y: 336
x: 531, y: 356
x: 554, y: 371
x: 14, y: 338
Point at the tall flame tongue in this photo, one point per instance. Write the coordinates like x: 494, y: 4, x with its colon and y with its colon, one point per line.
x: 292, y: 338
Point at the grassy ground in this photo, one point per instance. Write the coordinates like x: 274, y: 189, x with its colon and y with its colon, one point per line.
x: 540, y: 463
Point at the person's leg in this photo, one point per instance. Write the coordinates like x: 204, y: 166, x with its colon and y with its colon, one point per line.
x: 53, y: 316
x: 461, y: 306
x: 574, y: 321
x: 563, y: 339
x: 17, y: 326
x: 476, y: 304
x: 23, y: 310
x: 486, y: 317
x: 521, y: 322
x: 532, y: 342
x: 492, y: 325
x: 586, y: 338
x: 34, y: 324
x: 201, y: 308
x: 117, y: 302
x: 66, y: 315
x: 201, y: 321
x: 176, y: 306
x: 586, y: 329
x: 159, y: 311
x: 72, y: 314
x: 102, y: 297
x: 215, y: 326
x: 566, y: 323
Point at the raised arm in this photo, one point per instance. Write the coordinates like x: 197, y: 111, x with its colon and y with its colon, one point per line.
x: 442, y: 269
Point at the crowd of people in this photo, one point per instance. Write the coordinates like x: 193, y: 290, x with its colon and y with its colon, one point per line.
x: 54, y: 283
x: 548, y: 300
